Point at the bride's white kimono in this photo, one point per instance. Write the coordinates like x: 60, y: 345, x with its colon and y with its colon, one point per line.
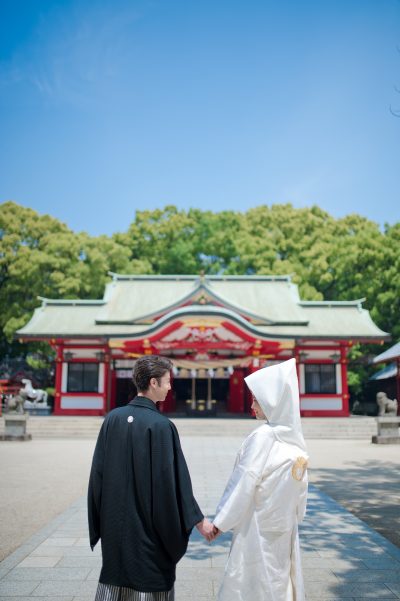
x: 266, y: 495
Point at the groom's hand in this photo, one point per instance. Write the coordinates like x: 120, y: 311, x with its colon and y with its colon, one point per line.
x: 206, y: 529
x: 216, y: 531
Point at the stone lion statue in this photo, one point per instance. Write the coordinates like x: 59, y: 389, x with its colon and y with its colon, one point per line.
x: 386, y: 406
x: 14, y: 403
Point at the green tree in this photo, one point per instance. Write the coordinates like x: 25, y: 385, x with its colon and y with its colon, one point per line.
x: 40, y: 256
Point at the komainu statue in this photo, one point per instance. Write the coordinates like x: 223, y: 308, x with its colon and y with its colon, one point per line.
x: 386, y: 406
x: 14, y: 403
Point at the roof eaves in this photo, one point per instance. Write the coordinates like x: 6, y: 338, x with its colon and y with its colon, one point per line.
x: 19, y: 334
x: 390, y: 354
x: 328, y: 303
x: 70, y: 302
x: 364, y: 338
x: 390, y: 371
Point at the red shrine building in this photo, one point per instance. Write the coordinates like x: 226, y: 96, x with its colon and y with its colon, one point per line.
x: 216, y: 330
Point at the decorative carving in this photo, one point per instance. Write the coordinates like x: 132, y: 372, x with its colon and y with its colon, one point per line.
x: 202, y: 334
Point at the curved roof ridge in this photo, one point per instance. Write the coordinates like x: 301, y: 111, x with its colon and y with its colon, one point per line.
x: 220, y: 277
x: 133, y: 276
x: 210, y: 310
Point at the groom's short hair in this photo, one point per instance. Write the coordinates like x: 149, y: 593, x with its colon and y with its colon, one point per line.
x: 147, y: 367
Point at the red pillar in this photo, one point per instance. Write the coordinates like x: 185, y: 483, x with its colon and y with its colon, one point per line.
x: 58, y: 379
x: 113, y: 387
x: 236, y: 392
x: 107, y: 382
x: 296, y: 355
x: 345, y: 386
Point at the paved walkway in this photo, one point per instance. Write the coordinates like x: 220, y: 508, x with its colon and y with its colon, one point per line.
x: 342, y: 557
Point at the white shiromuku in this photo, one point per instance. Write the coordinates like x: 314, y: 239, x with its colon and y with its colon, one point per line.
x: 265, y: 498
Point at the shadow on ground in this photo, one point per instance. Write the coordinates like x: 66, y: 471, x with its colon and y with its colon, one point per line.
x: 371, y: 491
x: 342, y: 557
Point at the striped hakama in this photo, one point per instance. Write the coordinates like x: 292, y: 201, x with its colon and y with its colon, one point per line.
x: 110, y: 592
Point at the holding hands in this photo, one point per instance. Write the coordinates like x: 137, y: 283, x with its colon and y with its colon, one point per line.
x: 208, y: 530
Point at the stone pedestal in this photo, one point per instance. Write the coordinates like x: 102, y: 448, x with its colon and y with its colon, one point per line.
x: 15, y: 427
x: 388, y: 430
x: 38, y: 410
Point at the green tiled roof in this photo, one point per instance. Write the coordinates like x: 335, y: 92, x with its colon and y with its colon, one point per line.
x: 133, y: 305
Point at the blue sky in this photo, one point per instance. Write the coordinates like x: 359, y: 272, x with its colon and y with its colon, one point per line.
x: 107, y: 107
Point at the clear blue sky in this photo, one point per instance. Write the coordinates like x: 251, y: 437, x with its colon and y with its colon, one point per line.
x: 109, y: 106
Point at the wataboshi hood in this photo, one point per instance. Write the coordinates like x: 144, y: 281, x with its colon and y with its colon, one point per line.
x: 277, y: 392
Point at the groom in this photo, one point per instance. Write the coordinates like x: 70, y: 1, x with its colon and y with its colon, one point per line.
x: 140, y: 499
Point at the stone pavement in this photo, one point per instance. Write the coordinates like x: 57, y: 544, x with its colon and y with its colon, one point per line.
x: 342, y: 557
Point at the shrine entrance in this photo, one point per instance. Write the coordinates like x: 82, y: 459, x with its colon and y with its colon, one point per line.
x: 197, y: 395
x: 211, y: 353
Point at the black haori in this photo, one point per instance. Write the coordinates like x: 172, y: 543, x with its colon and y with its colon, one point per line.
x: 140, y: 500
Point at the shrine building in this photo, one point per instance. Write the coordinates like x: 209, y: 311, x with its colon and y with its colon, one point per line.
x: 216, y: 330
